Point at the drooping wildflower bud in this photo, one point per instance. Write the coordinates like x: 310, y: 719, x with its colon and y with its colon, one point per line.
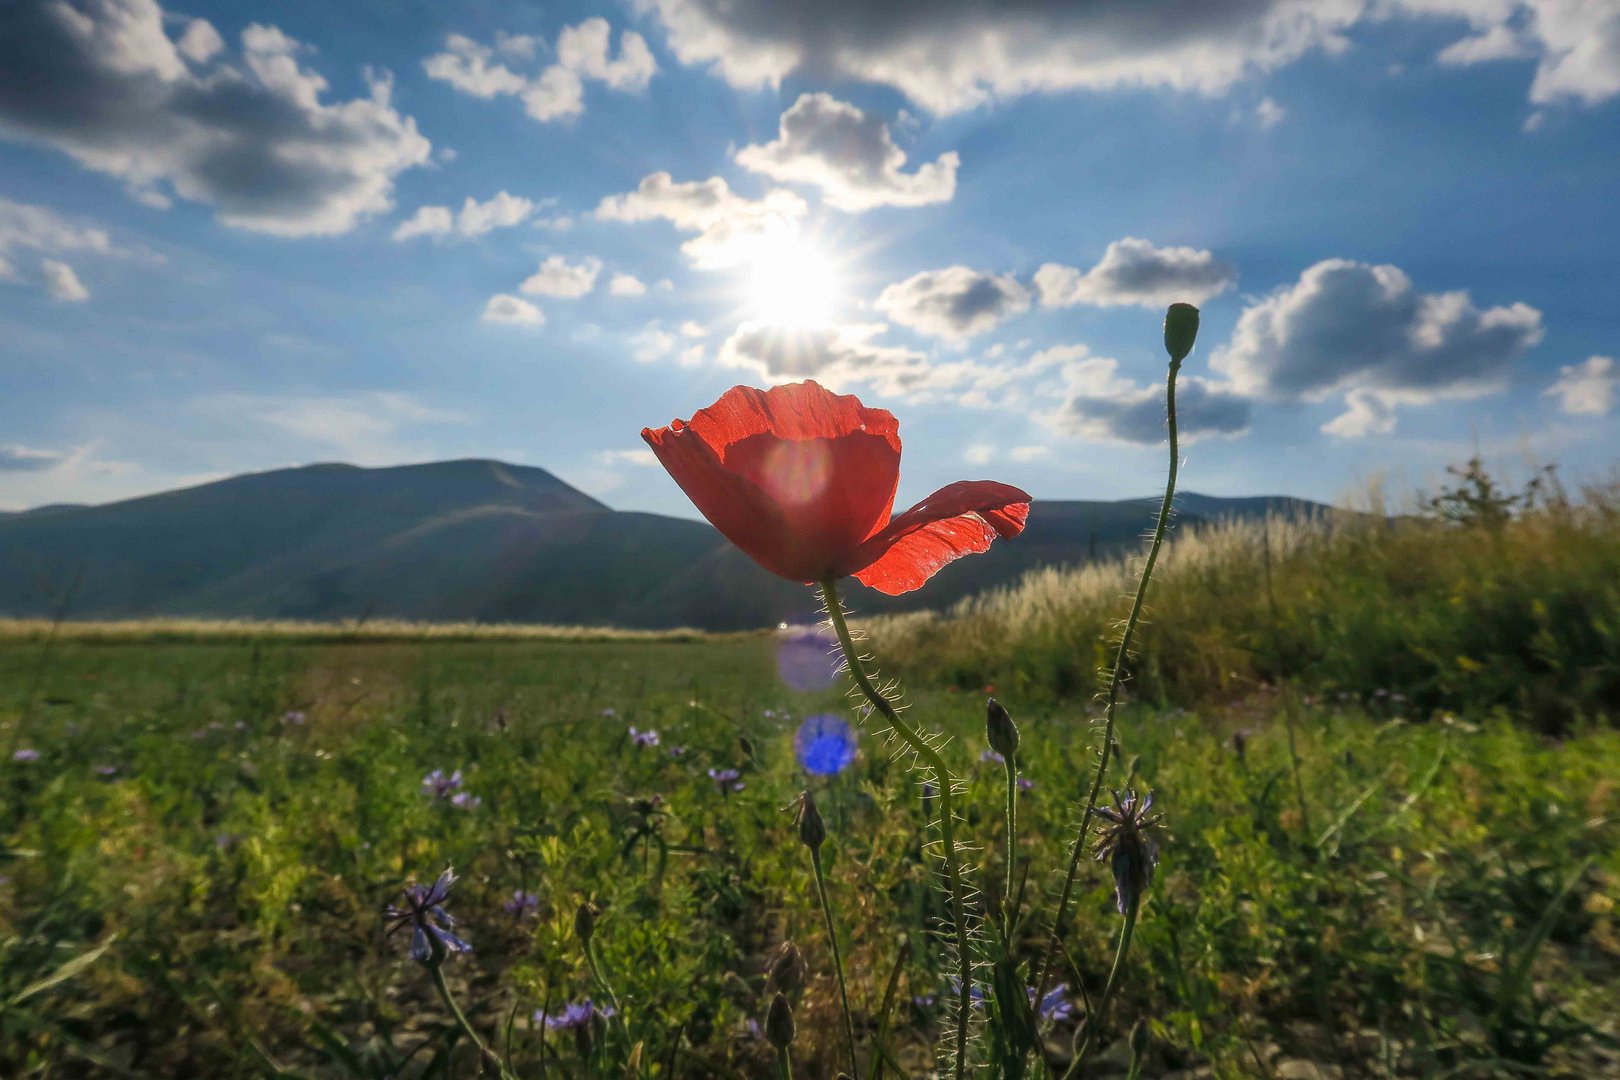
x: 1000, y: 729
x: 1127, y: 842
x: 1180, y: 331
x: 787, y: 970
x: 779, y: 1023
x: 812, y: 830
x: 585, y: 922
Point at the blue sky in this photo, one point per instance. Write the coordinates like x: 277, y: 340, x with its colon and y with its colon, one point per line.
x: 236, y: 237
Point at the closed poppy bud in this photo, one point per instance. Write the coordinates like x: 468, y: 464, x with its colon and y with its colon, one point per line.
x: 787, y: 969
x: 1000, y: 730
x: 812, y: 830
x: 1180, y: 331
x: 779, y: 1023
x: 585, y: 922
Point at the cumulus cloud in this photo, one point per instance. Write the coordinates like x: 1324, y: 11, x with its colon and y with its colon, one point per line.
x: 651, y: 344
x: 61, y: 282
x: 1101, y: 405
x: 1352, y: 327
x: 850, y: 155
x: 1575, y: 43
x: 955, y: 302
x: 1133, y: 271
x: 951, y: 55
x: 101, y: 81
x: 1366, y: 412
x: 626, y: 285
x: 557, y: 92
x: 14, y: 458
x: 1587, y: 389
x: 637, y: 456
x: 506, y: 308
x: 837, y: 355
x: 729, y: 227
x: 476, y: 218
x: 1268, y: 114
x: 558, y: 277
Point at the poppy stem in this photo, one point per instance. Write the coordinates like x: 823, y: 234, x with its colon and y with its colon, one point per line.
x: 838, y: 960
x: 1009, y: 900
x: 947, y: 820
x: 1044, y: 972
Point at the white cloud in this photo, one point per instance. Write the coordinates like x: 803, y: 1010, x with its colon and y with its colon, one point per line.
x: 693, y: 329
x: 557, y: 92
x: 639, y: 456
x: 979, y: 454
x: 1026, y: 454
x: 1575, y: 43
x: 1101, y: 406
x: 729, y: 227
x: 850, y: 155
x: 955, y: 302
x: 1133, y: 271
x: 365, y: 428
x: 626, y: 285
x: 501, y: 211
x: 1268, y: 114
x: 61, y: 282
x: 1366, y: 412
x: 201, y: 42
x: 1587, y: 389
x: 15, y: 458
x: 506, y: 308
x: 558, y: 277
x: 651, y: 344
x: 250, y: 136
x: 1348, y: 326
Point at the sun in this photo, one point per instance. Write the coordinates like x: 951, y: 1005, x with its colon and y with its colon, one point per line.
x: 792, y: 283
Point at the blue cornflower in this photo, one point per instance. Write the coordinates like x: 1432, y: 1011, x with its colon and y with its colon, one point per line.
x: 424, y: 913
x: 725, y: 779
x: 1025, y: 784
x: 1127, y: 842
x: 576, y: 1014
x: 976, y: 994
x: 825, y: 744
x: 465, y: 800
x: 643, y: 738
x: 991, y: 755
x: 1055, y: 1005
x: 439, y: 785
x: 522, y: 903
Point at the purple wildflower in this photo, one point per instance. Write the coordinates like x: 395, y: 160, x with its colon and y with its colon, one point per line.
x: 463, y: 800
x: 522, y: 903
x: 106, y: 770
x: 677, y: 751
x: 26, y: 754
x: 440, y: 786
x: 1055, y: 1005
x: 924, y: 1001
x: 424, y: 913
x: 577, y: 1014
x: 294, y: 716
x: 1025, y: 784
x: 643, y: 738
x: 990, y: 755
x: 825, y: 744
x: 976, y: 994
x: 1127, y: 842
x: 726, y: 779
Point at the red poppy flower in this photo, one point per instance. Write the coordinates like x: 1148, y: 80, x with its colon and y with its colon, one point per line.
x: 803, y: 480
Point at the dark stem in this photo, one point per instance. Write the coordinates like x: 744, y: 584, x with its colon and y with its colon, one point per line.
x: 838, y: 960
x: 1094, y: 1023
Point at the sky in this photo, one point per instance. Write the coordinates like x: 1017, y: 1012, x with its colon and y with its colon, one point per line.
x: 237, y: 237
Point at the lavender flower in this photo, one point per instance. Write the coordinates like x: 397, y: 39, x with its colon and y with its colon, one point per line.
x: 1127, y: 842
x: 522, y: 903
x: 825, y: 744
x: 577, y: 1014
x: 1025, y: 784
x: 726, y: 779
x: 1054, y: 1006
x: 424, y: 913
x: 463, y: 800
x: 990, y: 755
x: 440, y: 786
x: 976, y: 994
x: 26, y: 754
x: 643, y: 738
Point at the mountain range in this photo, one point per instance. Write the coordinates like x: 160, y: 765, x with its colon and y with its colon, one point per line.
x: 471, y: 540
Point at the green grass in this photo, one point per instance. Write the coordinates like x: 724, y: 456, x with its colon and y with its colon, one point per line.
x: 1444, y: 904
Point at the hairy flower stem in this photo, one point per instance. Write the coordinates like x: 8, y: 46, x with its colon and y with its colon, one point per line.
x: 1045, y: 971
x: 1009, y: 901
x: 838, y: 960
x: 947, y: 819
x: 1094, y: 1023
x: 435, y: 968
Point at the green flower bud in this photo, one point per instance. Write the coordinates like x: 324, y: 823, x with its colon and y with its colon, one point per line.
x: 1180, y: 331
x: 1000, y: 729
x: 585, y: 922
x: 812, y: 830
x: 787, y: 969
x: 779, y: 1023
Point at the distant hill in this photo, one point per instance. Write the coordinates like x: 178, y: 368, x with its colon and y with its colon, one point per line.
x: 469, y: 540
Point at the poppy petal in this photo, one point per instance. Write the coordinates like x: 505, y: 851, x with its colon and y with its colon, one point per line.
x: 795, y: 476
x: 958, y: 519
